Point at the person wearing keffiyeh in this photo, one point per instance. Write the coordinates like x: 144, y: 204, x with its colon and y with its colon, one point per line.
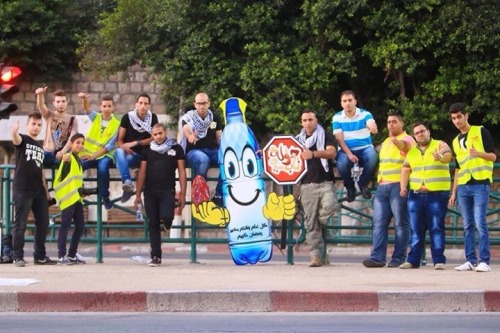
x: 201, y: 133
x: 157, y: 175
x: 317, y: 192
x: 134, y: 133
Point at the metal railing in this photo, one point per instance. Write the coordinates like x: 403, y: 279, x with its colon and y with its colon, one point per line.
x: 352, y: 225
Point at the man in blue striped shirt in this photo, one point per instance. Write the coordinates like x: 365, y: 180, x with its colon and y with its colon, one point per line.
x: 353, y: 128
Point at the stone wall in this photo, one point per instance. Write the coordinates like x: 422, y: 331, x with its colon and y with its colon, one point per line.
x: 124, y: 87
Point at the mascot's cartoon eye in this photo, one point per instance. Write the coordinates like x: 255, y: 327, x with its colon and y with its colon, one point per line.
x: 249, y: 162
x: 231, y: 167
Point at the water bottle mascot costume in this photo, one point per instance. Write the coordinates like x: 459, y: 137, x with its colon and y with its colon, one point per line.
x: 247, y: 211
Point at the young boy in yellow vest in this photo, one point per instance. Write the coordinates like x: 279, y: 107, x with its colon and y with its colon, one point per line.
x: 475, y: 153
x: 68, y: 186
x: 100, y: 143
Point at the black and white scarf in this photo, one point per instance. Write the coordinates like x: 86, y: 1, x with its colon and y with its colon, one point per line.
x: 164, y: 147
x: 193, y: 119
x: 138, y: 124
x: 318, y: 138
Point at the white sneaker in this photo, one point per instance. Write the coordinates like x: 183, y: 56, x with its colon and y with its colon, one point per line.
x: 483, y: 267
x: 465, y: 267
x: 439, y: 266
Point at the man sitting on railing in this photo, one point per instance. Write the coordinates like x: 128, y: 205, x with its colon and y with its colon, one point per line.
x: 133, y: 135
x: 100, y: 143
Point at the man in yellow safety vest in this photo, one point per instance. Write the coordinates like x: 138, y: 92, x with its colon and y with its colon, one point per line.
x: 475, y: 154
x: 100, y: 143
x: 427, y: 170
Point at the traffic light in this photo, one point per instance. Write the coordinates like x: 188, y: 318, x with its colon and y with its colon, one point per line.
x: 7, y: 75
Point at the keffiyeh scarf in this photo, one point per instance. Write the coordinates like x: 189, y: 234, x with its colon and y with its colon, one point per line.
x: 164, y: 147
x: 193, y: 119
x: 138, y: 124
x: 318, y: 138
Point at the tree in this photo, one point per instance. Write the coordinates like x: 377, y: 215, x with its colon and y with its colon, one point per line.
x: 41, y: 36
x: 284, y: 55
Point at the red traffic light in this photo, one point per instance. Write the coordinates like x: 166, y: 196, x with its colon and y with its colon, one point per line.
x: 9, y: 73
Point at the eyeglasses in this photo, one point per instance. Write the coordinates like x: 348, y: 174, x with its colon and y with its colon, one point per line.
x: 420, y: 132
x: 201, y: 103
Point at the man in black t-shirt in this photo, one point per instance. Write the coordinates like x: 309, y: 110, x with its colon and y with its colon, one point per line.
x: 157, y: 174
x: 317, y: 192
x: 30, y: 192
x: 133, y: 135
x: 202, y: 131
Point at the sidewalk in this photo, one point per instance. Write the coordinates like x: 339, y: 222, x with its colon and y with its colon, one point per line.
x: 121, y: 284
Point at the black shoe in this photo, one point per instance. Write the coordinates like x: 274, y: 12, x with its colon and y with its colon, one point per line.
x: 351, y: 194
x: 108, y: 204
x: 44, y: 261
x: 167, y: 224
x: 372, y: 263
x: 394, y: 264
x: 155, y: 262
x: 365, y: 191
x: 77, y: 259
x: 217, y: 200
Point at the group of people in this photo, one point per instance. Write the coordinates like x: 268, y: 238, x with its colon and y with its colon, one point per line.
x: 414, y: 182
x: 135, y: 141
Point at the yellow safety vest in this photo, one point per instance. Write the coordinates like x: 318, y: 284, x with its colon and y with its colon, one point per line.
x: 95, y: 140
x: 425, y: 172
x: 472, y: 167
x: 67, y: 190
x: 391, y: 161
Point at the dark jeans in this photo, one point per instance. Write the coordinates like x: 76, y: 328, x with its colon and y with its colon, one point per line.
x: 24, y: 201
x: 50, y: 160
x: 103, y: 164
x: 75, y: 213
x: 159, y: 205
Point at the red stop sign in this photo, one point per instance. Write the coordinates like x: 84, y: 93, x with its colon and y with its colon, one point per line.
x: 282, y: 161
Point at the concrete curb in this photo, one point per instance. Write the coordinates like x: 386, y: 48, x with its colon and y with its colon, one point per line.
x: 250, y: 301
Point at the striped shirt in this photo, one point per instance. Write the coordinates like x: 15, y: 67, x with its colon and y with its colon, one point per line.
x: 356, y: 134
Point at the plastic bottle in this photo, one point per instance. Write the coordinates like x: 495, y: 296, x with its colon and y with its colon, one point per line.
x: 355, y: 172
x: 249, y: 232
x: 139, y: 216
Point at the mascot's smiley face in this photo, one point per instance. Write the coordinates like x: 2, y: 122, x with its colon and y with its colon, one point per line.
x: 241, y: 172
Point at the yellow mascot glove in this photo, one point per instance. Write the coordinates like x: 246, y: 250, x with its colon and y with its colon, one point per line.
x: 208, y: 212
x: 280, y: 207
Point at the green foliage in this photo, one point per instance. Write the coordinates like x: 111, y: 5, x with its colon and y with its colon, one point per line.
x: 41, y: 36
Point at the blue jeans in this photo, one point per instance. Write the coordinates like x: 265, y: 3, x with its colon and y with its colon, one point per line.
x: 386, y: 205
x: 103, y: 164
x: 201, y: 160
x: 473, y: 202
x: 427, y: 212
x: 125, y: 161
x: 368, y: 159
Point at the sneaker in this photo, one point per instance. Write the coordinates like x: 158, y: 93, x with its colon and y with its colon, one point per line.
x: 128, y: 186
x: 394, y: 264
x: 483, y: 267
x: 365, y: 191
x: 77, y: 259
x: 466, y: 267
x: 44, y: 261
x: 19, y: 262
x: 316, y: 261
x: 407, y: 265
x: 126, y: 196
x: 108, y: 204
x: 372, y: 263
x: 217, y: 200
x: 351, y: 194
x: 155, y: 262
x: 64, y: 261
x: 439, y: 266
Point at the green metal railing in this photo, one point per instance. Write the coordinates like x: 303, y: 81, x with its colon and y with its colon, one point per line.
x: 98, y: 231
